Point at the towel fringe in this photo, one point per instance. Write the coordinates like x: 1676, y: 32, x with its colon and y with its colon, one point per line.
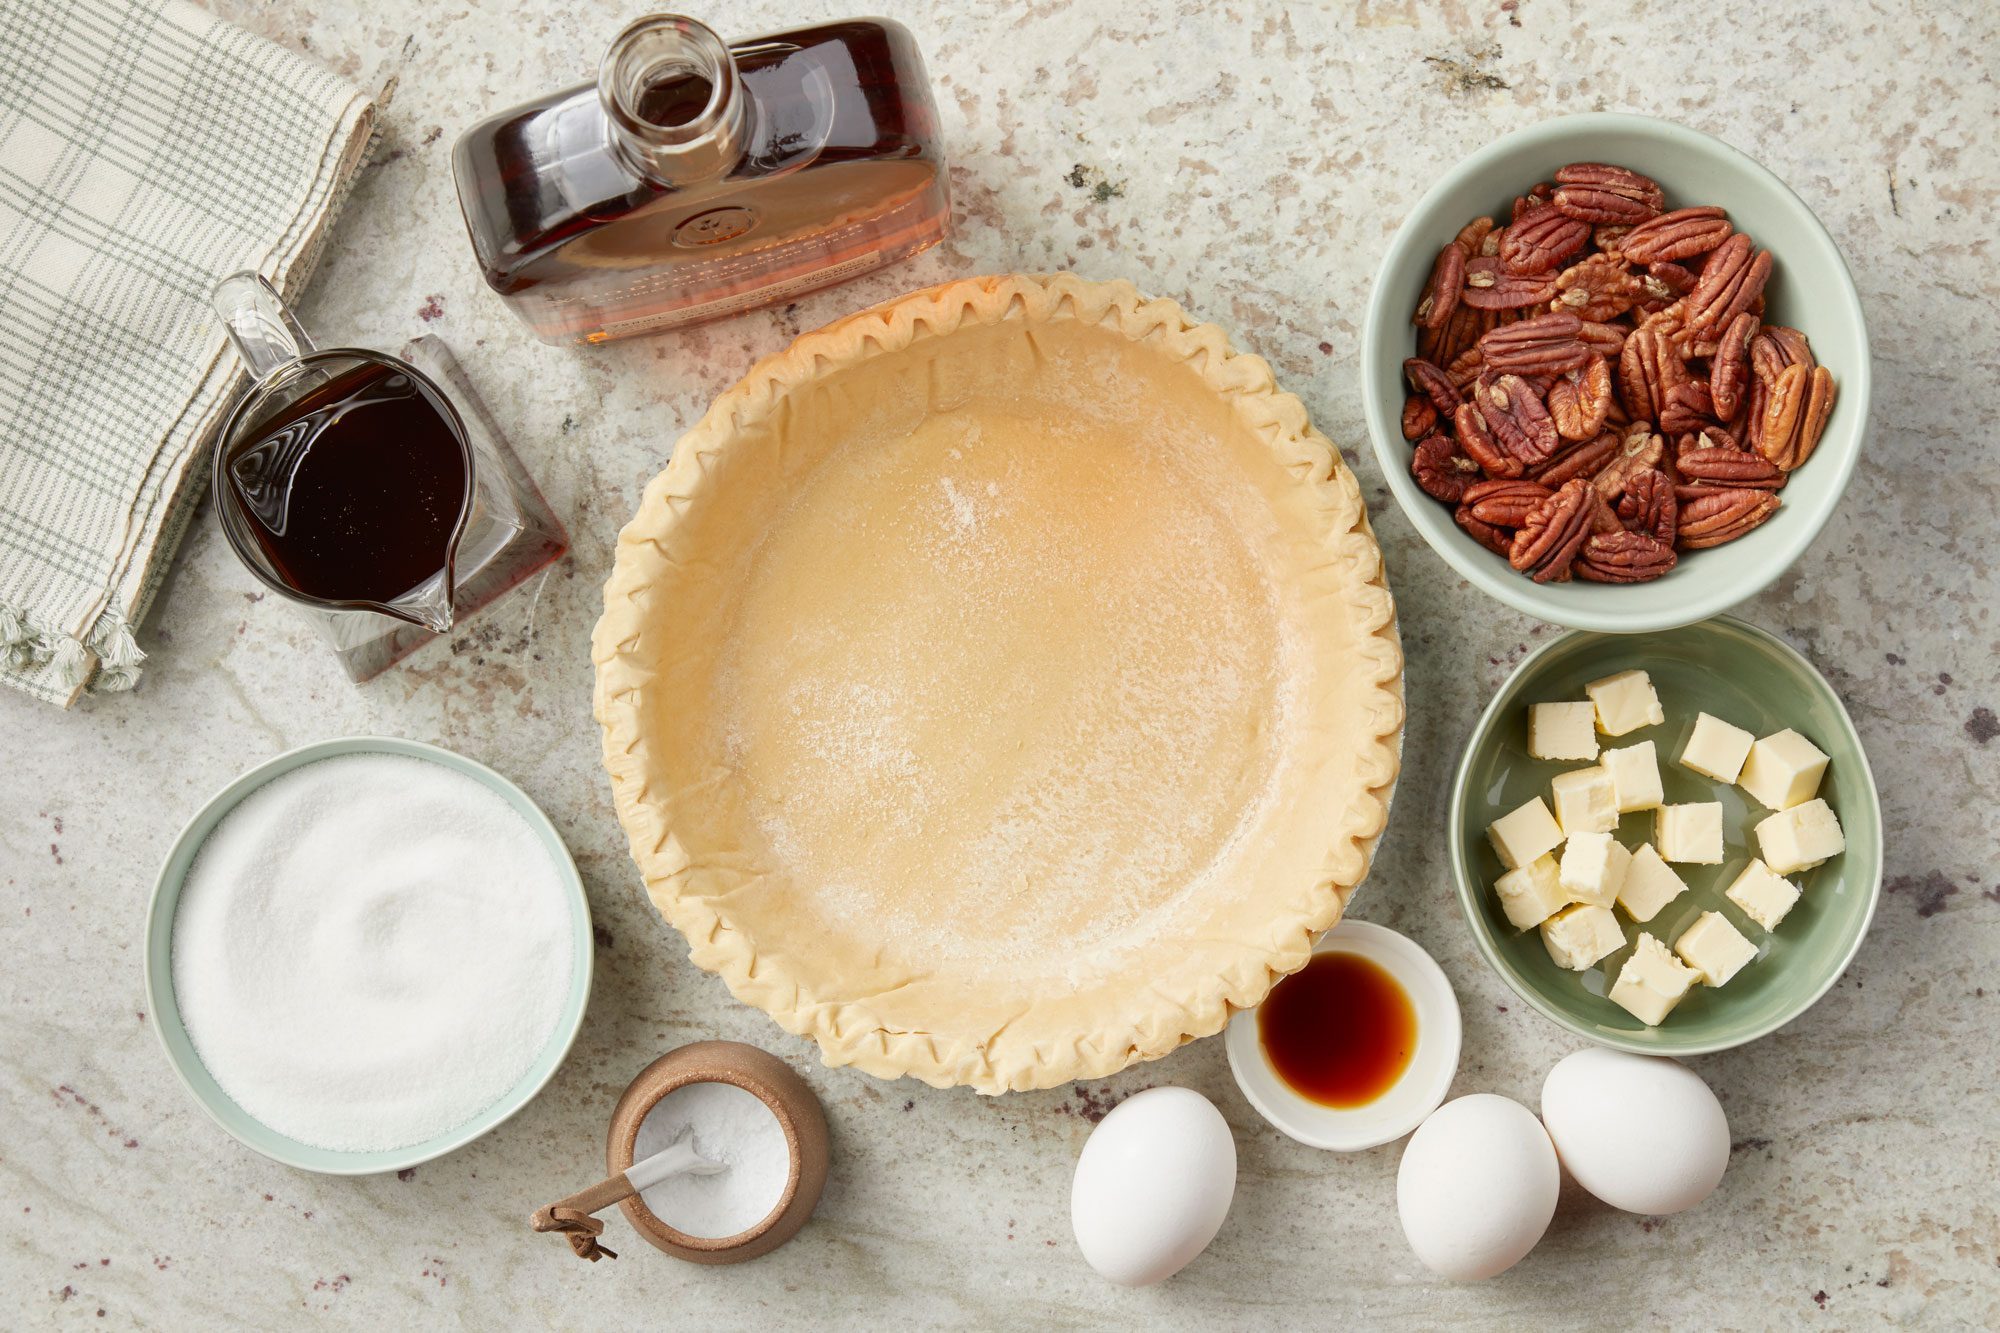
x: 23, y: 644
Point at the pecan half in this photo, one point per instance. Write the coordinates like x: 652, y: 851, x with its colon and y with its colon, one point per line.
x: 1723, y: 516
x: 1688, y: 408
x: 1665, y: 276
x: 1537, y: 197
x: 1598, y: 288
x: 1473, y: 235
x: 1710, y: 436
x: 1470, y: 364
x: 1731, y: 280
x: 1639, y: 450
x: 1504, y: 504
x: 1607, y: 340
x: 1795, y: 414
x: 1540, y: 240
x: 1480, y: 446
x: 1581, y: 400
x: 1420, y: 417
x: 1648, y: 367
x: 1441, y: 292
x: 1681, y: 234
x: 1545, y: 345
x: 1777, y: 347
x: 1754, y: 404
x: 1581, y: 460
x: 1497, y: 540
x: 1490, y: 286
x: 1441, y: 469
x: 1649, y: 505
x: 1611, y: 240
x: 1548, y: 541
x: 1464, y: 329
x: 1714, y: 469
x: 1729, y: 368
x: 1433, y: 383
x: 1518, y: 420
x: 1623, y: 557
x: 1599, y: 192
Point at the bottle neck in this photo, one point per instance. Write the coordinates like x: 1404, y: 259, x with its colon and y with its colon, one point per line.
x: 677, y: 109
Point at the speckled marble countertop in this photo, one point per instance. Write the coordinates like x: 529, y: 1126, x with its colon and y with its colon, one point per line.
x: 1251, y: 163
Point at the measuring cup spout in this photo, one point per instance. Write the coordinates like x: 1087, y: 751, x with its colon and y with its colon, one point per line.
x: 264, y: 331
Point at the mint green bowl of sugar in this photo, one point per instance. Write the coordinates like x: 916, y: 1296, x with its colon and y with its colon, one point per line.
x: 1810, y: 289
x: 538, y: 942
x: 1744, y: 676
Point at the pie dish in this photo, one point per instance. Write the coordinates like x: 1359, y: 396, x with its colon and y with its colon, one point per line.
x: 1000, y: 686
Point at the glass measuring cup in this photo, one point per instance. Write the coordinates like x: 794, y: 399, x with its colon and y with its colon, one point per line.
x: 451, y: 507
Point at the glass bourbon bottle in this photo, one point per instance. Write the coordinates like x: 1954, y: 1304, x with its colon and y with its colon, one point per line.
x: 695, y: 179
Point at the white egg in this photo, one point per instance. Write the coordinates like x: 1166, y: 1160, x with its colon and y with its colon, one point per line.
x: 1153, y: 1184
x: 1477, y: 1186
x: 1641, y: 1132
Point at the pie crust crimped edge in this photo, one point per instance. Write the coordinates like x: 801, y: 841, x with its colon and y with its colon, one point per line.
x: 1278, y: 942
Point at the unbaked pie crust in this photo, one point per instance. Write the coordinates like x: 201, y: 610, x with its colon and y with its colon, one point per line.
x: 1000, y: 686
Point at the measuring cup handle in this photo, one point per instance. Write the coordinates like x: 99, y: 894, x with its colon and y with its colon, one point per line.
x: 264, y: 331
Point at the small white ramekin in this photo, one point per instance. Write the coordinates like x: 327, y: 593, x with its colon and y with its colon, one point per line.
x: 1412, y: 1097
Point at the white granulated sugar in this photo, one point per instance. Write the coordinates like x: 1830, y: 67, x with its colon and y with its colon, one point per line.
x: 370, y: 951
x: 730, y: 1126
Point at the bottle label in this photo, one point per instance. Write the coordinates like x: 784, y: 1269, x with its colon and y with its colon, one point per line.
x: 756, y: 296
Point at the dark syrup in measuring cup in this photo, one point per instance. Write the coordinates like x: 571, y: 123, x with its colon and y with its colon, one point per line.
x: 353, y: 491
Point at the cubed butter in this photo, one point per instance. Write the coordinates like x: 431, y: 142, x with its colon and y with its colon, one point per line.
x: 1801, y: 837
x: 1690, y: 833
x: 1524, y: 834
x: 1714, y: 948
x: 1782, y: 771
x: 1649, y: 885
x: 1635, y: 776
x: 1715, y: 749
x: 1581, y: 934
x: 1532, y: 894
x: 1625, y: 702
x: 1593, y: 866
x: 1585, y: 802
x: 1764, y: 897
x: 1562, y: 731
x: 1652, y: 981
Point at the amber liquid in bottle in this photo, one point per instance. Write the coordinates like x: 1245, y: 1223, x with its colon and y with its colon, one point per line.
x: 694, y: 180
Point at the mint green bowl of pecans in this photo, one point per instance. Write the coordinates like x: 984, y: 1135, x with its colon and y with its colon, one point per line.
x: 1612, y: 441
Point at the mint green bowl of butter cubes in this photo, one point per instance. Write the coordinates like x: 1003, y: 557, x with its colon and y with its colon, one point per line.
x: 1745, y: 933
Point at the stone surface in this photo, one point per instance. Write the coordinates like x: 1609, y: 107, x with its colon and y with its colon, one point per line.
x: 1251, y: 163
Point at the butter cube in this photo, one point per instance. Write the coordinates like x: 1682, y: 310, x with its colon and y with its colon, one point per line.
x: 1649, y: 884
x: 1635, y: 776
x: 1562, y: 731
x: 1530, y: 895
x: 1585, y: 802
x: 1714, y: 948
x: 1782, y: 771
x: 1716, y: 749
x: 1691, y: 833
x: 1625, y: 702
x: 1593, y: 866
x: 1524, y: 834
x: 1801, y: 837
x: 1581, y: 934
x: 1652, y: 981
x: 1763, y: 896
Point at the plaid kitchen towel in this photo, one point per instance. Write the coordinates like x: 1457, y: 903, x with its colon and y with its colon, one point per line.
x: 145, y: 150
